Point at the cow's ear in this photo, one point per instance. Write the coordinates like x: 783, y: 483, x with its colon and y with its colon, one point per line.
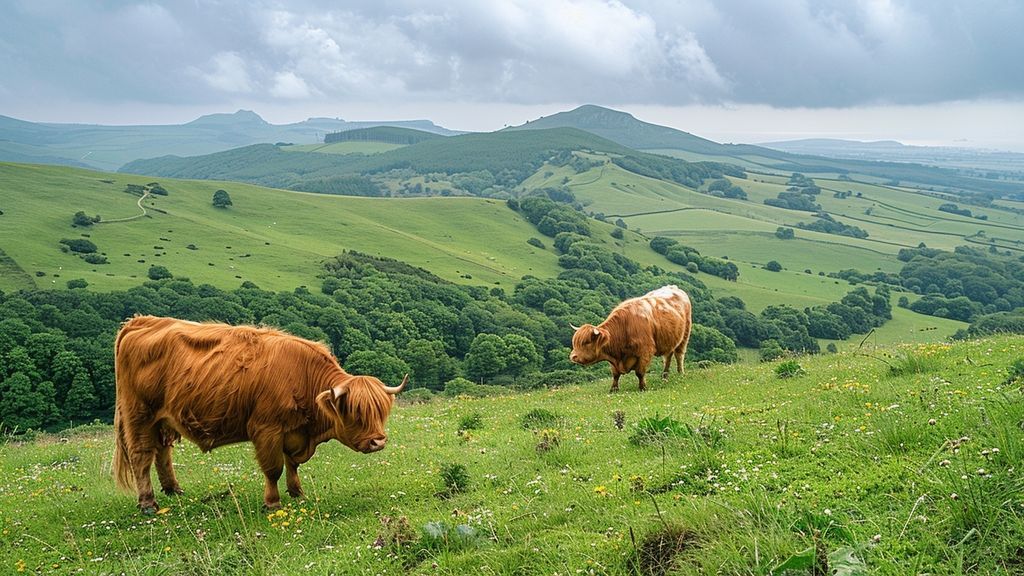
x: 328, y: 401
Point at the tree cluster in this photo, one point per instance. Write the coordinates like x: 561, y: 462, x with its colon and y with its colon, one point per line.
x: 685, y: 255
x: 829, y: 225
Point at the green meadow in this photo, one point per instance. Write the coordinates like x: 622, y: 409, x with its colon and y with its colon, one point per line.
x: 893, y: 460
x: 274, y: 238
x: 278, y: 239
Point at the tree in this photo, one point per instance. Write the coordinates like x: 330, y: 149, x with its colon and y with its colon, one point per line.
x: 159, y: 272
x: 784, y: 233
x: 221, y: 199
x: 25, y: 406
x: 381, y: 365
x: 486, y: 356
x: 521, y: 356
x: 81, y: 398
x: 773, y: 266
x: 83, y: 219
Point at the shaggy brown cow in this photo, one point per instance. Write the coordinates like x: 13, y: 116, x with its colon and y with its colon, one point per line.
x: 217, y: 384
x: 655, y: 324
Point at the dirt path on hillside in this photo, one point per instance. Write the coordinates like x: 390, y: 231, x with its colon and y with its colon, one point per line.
x: 136, y: 217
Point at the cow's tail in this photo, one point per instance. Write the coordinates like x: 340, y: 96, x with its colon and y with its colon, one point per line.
x: 121, y: 465
x: 123, y: 475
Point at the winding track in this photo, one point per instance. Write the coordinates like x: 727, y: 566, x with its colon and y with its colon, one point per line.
x: 136, y: 217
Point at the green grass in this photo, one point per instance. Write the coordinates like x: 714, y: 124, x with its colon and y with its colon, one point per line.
x: 274, y: 238
x: 909, y: 473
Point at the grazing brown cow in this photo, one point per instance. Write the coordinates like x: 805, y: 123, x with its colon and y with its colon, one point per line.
x: 217, y: 384
x: 655, y: 324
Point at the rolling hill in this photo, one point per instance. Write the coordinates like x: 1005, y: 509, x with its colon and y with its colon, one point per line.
x: 274, y: 238
x: 110, y: 147
x: 624, y: 129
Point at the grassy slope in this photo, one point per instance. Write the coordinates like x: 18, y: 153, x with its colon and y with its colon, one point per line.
x: 846, y: 450
x: 277, y: 245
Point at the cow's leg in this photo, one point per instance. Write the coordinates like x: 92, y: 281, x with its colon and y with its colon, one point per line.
x: 164, y: 465
x: 681, y: 351
x: 668, y: 364
x: 270, y: 455
x: 165, y: 471
x: 615, y: 380
x: 143, y: 443
x: 641, y: 371
x: 292, y: 478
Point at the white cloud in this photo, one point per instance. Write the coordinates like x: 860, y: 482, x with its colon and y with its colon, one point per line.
x: 228, y: 72
x: 288, y: 85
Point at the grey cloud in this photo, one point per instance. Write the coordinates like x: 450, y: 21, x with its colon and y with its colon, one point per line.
x: 784, y: 53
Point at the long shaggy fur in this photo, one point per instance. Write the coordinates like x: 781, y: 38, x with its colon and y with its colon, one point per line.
x: 217, y: 384
x: 655, y: 324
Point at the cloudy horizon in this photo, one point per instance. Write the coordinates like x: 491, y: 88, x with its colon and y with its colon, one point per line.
x: 919, y: 72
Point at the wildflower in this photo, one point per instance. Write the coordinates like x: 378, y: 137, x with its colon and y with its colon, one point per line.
x: 944, y: 463
x: 876, y: 538
x: 931, y: 421
x: 954, y: 496
x: 601, y: 491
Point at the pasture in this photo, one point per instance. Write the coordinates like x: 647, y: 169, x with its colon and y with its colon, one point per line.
x: 274, y: 238
x: 902, y: 461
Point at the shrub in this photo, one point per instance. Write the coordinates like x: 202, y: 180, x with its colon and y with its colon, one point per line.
x: 655, y: 429
x: 911, y: 363
x: 549, y: 439
x: 77, y: 283
x: 1015, y: 372
x: 617, y: 233
x: 462, y: 387
x: 789, y: 369
x: 539, y: 418
x: 159, y: 272
x: 773, y: 266
x: 472, y: 421
x: 454, y: 479
x: 416, y: 396
x: 83, y: 219
x: 79, y: 245
x: 536, y: 242
x: 95, y: 258
x: 771, y: 350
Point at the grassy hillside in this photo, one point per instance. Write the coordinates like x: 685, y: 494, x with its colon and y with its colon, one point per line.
x: 277, y: 248
x: 274, y: 238
x: 466, y: 153
x: 624, y: 129
x: 904, y: 461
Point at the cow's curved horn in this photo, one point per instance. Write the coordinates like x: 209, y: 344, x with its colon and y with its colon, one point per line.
x: 573, y: 326
x: 396, y: 389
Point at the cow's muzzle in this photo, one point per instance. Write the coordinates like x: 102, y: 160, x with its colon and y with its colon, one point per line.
x: 374, y: 445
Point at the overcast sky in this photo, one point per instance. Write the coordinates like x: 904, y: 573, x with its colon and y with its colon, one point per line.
x: 942, y: 72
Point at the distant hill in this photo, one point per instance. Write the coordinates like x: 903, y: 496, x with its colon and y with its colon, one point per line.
x: 625, y: 129
x: 889, y: 150
x: 110, y: 147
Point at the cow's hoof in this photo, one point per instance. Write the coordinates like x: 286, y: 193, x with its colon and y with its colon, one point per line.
x: 174, y: 491
x: 297, y: 494
x: 148, y: 510
x: 271, y: 506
